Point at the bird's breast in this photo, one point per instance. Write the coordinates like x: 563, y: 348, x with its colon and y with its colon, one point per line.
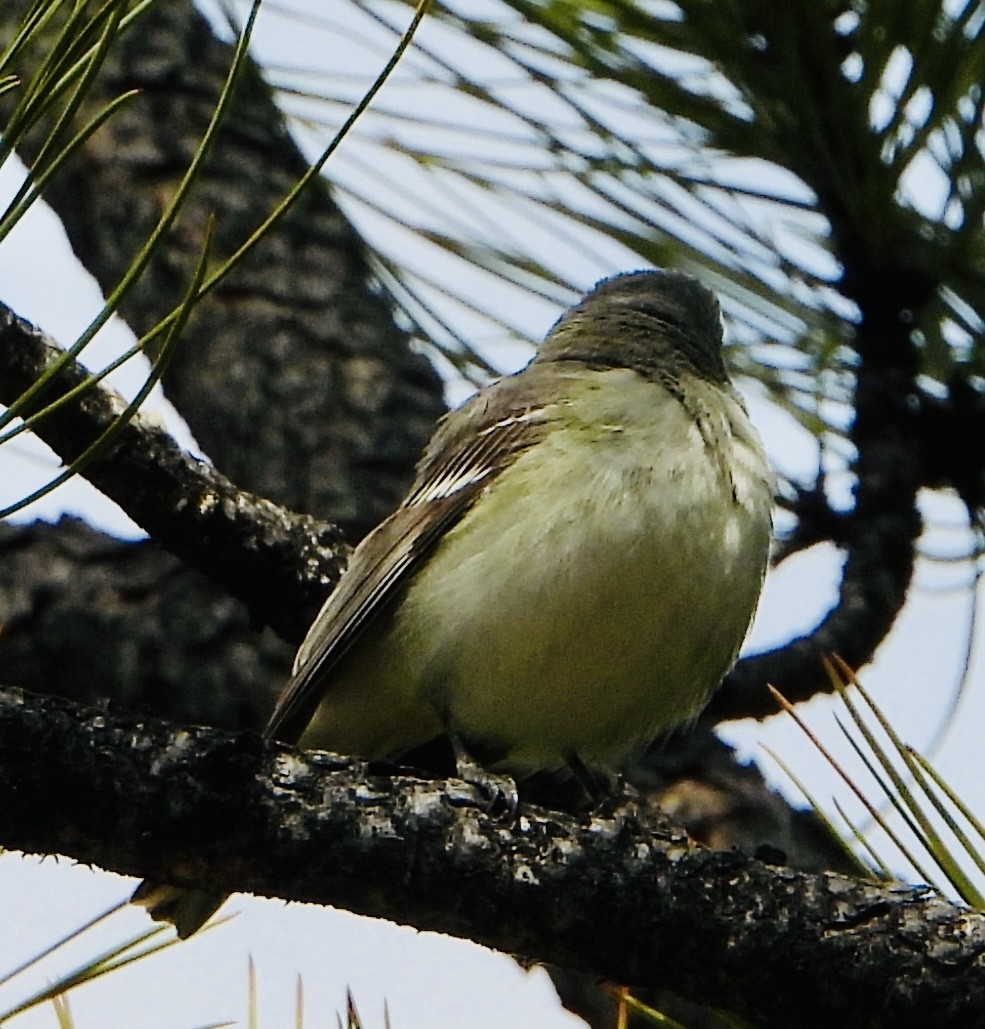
x: 619, y: 591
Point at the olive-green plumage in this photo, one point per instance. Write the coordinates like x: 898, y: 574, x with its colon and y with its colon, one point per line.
x: 573, y: 571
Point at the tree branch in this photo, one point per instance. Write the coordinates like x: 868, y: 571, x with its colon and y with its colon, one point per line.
x: 278, y: 563
x: 623, y: 897
x: 301, y: 385
x: 87, y: 617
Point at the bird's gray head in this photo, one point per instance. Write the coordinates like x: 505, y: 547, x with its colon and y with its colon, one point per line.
x: 655, y: 322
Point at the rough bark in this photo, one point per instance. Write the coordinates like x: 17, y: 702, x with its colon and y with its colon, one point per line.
x: 293, y: 376
x: 179, y: 638
x: 623, y: 896
x: 279, y: 564
x: 89, y: 617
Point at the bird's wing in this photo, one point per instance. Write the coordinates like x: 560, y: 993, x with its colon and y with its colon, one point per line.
x: 466, y: 453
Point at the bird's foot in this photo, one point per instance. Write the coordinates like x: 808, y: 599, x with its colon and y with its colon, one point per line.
x: 503, y: 800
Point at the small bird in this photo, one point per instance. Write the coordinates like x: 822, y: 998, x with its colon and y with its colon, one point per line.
x: 572, y: 572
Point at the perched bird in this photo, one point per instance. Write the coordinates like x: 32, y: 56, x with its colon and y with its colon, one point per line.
x: 573, y: 571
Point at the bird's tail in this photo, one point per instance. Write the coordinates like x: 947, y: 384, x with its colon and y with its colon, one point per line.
x: 187, y: 910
